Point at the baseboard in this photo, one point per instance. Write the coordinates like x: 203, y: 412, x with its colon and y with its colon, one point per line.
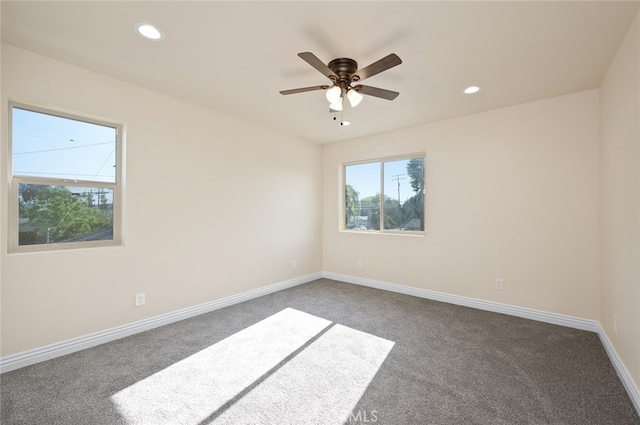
x: 527, y: 313
x: 621, y: 369
x: 26, y: 358
x: 541, y: 316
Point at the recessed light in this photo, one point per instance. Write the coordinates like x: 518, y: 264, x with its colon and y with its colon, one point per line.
x: 149, y: 31
x: 472, y: 89
x: 345, y: 123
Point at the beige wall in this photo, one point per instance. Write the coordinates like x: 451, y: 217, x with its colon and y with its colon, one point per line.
x: 620, y: 198
x: 545, y: 195
x: 511, y: 193
x: 208, y: 211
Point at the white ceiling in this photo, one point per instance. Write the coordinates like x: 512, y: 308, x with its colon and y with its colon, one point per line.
x: 234, y: 57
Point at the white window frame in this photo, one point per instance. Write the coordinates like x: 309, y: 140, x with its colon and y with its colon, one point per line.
x: 342, y: 193
x: 15, y: 181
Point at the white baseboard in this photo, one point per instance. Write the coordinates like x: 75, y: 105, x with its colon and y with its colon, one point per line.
x: 527, y: 313
x: 621, y: 369
x: 29, y: 357
x: 26, y: 358
x: 541, y: 316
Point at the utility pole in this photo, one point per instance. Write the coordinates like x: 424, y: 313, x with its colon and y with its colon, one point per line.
x: 396, y: 177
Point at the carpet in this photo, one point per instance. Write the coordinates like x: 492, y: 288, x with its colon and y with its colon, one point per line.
x: 329, y: 353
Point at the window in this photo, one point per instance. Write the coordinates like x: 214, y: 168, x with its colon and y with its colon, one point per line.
x: 65, y: 188
x: 385, y: 195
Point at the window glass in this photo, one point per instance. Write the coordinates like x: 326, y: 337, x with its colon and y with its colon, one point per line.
x: 50, y: 146
x: 63, y: 214
x: 404, y: 194
x: 362, y: 196
x: 385, y: 193
x: 65, y: 179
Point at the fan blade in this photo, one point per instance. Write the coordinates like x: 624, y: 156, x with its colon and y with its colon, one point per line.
x: 374, y: 91
x: 377, y: 67
x: 303, y: 89
x: 312, y: 60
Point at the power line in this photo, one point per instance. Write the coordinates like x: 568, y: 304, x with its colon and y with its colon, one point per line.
x: 105, y: 161
x: 61, y: 149
x: 66, y: 139
x: 40, y: 173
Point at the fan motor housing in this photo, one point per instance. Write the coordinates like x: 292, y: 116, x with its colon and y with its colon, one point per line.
x: 343, y: 68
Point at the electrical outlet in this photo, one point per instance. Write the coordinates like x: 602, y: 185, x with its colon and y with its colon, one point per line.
x: 294, y: 265
x: 359, y: 264
x: 499, y: 284
x: 140, y: 299
x: 615, y: 324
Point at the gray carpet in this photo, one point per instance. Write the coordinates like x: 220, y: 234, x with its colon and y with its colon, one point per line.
x: 329, y: 353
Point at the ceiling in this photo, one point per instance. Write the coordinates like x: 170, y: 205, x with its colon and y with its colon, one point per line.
x: 235, y: 57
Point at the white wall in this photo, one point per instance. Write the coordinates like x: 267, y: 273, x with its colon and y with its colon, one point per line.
x: 208, y: 210
x: 620, y: 199
x: 510, y: 193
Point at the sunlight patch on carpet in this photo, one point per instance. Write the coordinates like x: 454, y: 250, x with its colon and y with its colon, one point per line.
x: 188, y: 391
x: 320, y: 385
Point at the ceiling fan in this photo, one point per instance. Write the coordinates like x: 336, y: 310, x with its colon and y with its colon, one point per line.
x: 343, y: 73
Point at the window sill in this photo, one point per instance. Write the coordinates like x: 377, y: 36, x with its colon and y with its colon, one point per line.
x: 419, y: 234
x: 61, y: 247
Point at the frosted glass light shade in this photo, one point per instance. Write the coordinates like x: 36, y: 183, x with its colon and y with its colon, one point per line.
x: 334, y: 94
x: 336, y: 106
x: 354, y: 98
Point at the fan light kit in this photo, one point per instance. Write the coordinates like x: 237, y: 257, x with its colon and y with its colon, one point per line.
x: 343, y: 73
